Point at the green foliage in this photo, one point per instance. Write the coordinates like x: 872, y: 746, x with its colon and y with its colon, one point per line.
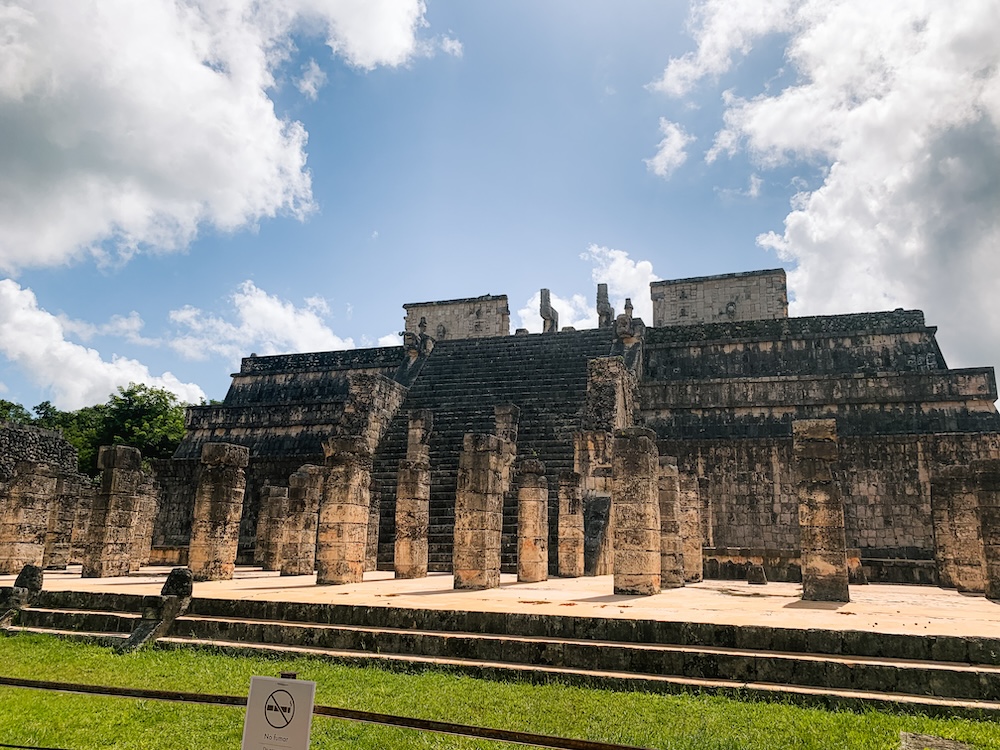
x: 680, y: 722
x: 147, y: 418
x: 11, y: 412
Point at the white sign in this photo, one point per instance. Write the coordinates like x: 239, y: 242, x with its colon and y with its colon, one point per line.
x: 279, y: 714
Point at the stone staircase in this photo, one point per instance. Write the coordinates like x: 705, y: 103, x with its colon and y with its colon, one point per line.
x: 945, y: 675
x: 545, y: 375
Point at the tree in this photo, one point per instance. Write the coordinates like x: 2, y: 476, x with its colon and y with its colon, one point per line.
x: 11, y: 412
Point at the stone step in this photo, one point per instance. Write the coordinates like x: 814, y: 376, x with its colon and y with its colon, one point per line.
x: 618, y: 680
x: 940, y: 679
x: 94, y: 621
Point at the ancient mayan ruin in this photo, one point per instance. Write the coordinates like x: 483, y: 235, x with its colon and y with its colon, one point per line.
x: 724, y: 440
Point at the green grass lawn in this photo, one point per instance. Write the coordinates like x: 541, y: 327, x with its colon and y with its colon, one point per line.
x: 59, y: 720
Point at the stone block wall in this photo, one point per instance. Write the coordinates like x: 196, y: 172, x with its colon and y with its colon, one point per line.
x: 470, y: 318
x: 26, y: 500
x: 115, y: 513
x: 751, y: 295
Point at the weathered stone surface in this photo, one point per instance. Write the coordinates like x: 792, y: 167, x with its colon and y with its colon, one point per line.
x: 479, y: 511
x: 413, y: 493
x: 672, y: 566
x: 709, y: 299
x: 821, y: 511
x: 471, y: 318
x: 570, y: 533
x: 692, y: 526
x: 592, y: 450
x: 115, y: 513
x: 271, y: 528
x: 987, y: 475
x: 550, y: 317
x: 636, y: 512
x: 958, y: 543
x: 305, y: 487
x: 26, y: 500
x: 217, y: 511
x: 344, y: 512
x: 532, y: 523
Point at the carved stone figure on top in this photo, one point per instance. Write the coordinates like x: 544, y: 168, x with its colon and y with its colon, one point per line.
x: 605, y: 312
x: 550, y: 318
x: 629, y: 333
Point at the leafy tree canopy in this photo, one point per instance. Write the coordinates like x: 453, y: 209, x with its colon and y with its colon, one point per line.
x: 147, y: 418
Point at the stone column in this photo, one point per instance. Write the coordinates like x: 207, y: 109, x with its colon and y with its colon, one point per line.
x: 298, y: 549
x: 413, y: 496
x: 592, y: 461
x: 478, y: 513
x: 142, y: 539
x: 671, y: 542
x: 570, y: 527
x: 62, y: 515
x: 342, y: 541
x: 24, y: 516
x: 636, y: 512
x: 958, y: 543
x: 218, y: 507
x: 691, y: 527
x: 115, y: 512
x: 821, y: 511
x: 707, y: 529
x: 271, y: 527
x: 987, y: 473
x: 532, y: 523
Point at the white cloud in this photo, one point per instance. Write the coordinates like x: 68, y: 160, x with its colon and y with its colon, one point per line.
x: 671, y: 151
x: 264, y: 324
x: 626, y: 278
x: 390, y: 339
x: 452, y: 47
x: 312, y: 80
x: 35, y: 341
x: 128, y: 327
x: 899, y: 102
x: 128, y: 125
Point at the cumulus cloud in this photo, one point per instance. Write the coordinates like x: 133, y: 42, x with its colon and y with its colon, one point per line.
x: 898, y: 102
x: 626, y: 278
x: 312, y: 80
x: 671, y: 152
x: 452, y: 47
x: 35, y: 341
x: 128, y: 125
x: 264, y: 324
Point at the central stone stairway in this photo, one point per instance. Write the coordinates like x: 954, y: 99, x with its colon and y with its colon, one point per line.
x: 947, y: 675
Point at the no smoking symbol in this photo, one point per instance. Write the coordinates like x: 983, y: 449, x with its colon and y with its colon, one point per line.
x: 279, y: 708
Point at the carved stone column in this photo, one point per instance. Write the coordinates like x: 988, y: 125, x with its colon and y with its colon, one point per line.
x: 821, y: 511
x: 413, y: 495
x: 24, y: 516
x: 691, y: 527
x: 114, y: 514
x: 62, y: 515
x: 958, y: 543
x: 532, y: 523
x: 218, y: 507
x: 271, y: 520
x: 987, y: 474
x: 298, y: 549
x: 570, y: 526
x: 479, y: 513
x: 671, y: 542
x: 343, y: 512
x: 636, y: 512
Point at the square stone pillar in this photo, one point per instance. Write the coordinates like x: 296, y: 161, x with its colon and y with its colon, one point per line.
x: 707, y: 527
x: 821, y: 511
x: 342, y: 541
x: 635, y: 509
x: 570, y: 526
x: 671, y: 542
x: 532, y: 523
x: 958, y: 543
x: 479, y: 513
x: 62, y: 516
x: 24, y: 516
x: 987, y: 473
x: 592, y: 451
x: 218, y: 507
x: 142, y: 539
x: 115, y: 513
x: 298, y: 548
x: 691, y: 528
x: 271, y: 519
x: 413, y: 496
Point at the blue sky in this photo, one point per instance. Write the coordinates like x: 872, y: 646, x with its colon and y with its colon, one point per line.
x: 182, y: 184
